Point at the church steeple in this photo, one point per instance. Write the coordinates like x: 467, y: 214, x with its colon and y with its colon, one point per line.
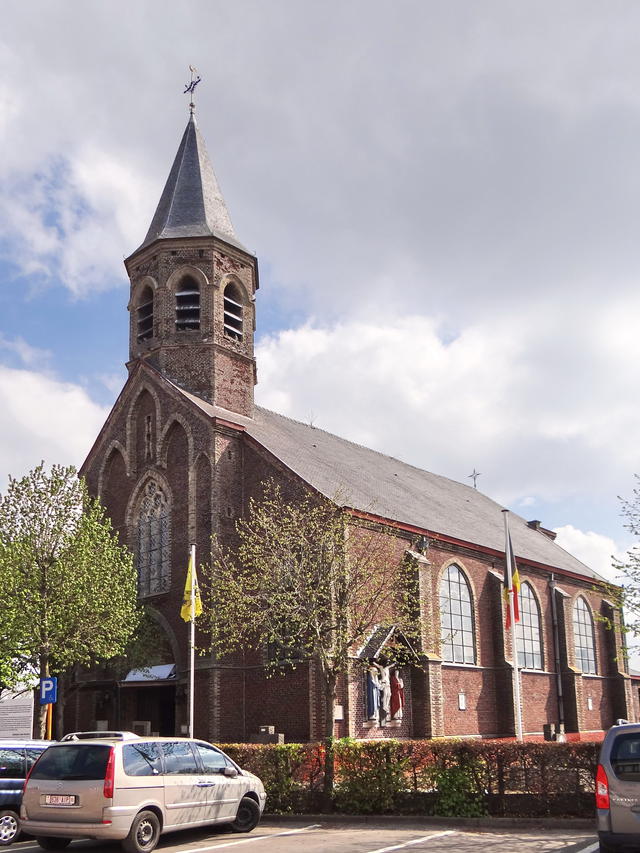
x: 192, y: 287
x: 191, y: 204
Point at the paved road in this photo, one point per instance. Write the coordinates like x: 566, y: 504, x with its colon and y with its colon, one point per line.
x: 326, y: 837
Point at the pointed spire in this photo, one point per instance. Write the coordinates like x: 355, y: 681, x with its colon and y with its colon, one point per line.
x: 191, y: 204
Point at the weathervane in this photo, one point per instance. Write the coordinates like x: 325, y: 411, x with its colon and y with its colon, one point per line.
x: 474, y: 476
x: 191, y: 87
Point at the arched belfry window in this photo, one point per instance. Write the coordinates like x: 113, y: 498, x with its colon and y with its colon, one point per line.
x: 583, y: 637
x: 233, y: 312
x: 152, y: 541
x: 456, y: 618
x: 528, y: 630
x: 144, y: 315
x: 187, y: 304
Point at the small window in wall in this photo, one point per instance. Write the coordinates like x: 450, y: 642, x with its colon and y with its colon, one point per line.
x: 233, y: 312
x: 528, y: 630
x: 583, y: 637
x: 187, y: 305
x: 456, y: 618
x: 144, y: 315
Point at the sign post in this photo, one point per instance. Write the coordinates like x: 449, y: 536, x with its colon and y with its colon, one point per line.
x: 48, y: 695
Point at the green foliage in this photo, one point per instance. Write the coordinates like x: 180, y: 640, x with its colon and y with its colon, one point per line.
x: 68, y: 586
x: 370, y: 775
x: 444, y: 777
x: 457, y: 795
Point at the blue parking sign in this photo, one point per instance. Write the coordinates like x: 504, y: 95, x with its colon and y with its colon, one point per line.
x: 48, y: 690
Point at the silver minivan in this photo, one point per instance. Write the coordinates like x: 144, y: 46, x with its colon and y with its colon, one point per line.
x: 133, y: 789
x: 618, y: 789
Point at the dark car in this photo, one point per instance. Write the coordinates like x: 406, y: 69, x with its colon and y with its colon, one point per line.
x: 16, y: 759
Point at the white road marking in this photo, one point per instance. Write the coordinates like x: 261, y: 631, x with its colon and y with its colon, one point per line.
x: 415, y: 841
x: 592, y: 848
x: 254, y: 838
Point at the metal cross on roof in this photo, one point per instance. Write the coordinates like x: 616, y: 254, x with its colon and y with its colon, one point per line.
x: 191, y: 87
x: 474, y: 476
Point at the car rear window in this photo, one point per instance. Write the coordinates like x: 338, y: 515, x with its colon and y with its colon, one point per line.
x: 72, y: 761
x: 625, y: 756
x: 141, y: 759
x: 11, y: 763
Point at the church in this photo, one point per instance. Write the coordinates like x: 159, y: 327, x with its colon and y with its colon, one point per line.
x: 184, y: 449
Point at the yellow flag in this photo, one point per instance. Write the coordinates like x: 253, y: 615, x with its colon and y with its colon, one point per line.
x: 185, y: 610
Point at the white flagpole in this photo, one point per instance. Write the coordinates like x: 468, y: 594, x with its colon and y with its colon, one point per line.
x: 192, y: 639
x: 514, y: 640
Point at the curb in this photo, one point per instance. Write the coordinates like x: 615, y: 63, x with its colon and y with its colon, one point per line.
x: 495, y: 823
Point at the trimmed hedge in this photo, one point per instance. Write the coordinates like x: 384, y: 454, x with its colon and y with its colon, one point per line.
x: 441, y: 777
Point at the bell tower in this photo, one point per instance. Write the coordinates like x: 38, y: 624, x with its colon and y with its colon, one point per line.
x: 193, y: 284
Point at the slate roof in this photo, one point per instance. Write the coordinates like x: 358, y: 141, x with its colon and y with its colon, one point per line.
x: 191, y: 204
x: 368, y: 481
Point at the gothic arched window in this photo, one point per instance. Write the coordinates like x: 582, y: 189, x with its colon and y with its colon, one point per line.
x: 456, y: 618
x: 528, y: 630
x: 232, y: 312
x: 152, y: 541
x: 144, y: 315
x: 187, y: 304
x: 583, y: 637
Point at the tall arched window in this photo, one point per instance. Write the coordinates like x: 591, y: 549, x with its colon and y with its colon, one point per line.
x: 583, y: 637
x: 152, y: 543
x: 144, y: 314
x: 456, y: 618
x: 233, y: 312
x: 528, y: 630
x: 187, y: 304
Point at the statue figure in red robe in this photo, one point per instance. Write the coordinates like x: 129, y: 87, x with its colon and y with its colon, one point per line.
x: 397, y: 695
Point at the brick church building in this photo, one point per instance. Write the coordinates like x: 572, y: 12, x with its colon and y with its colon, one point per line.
x: 185, y: 447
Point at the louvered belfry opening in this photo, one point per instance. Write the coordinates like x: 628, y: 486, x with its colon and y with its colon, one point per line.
x: 232, y: 312
x: 187, y: 305
x: 144, y: 315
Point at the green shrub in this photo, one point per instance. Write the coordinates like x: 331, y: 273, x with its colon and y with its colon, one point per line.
x: 369, y: 776
x: 447, y: 777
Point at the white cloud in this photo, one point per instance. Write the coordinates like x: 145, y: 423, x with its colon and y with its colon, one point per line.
x: 42, y: 418
x: 479, y: 400
x: 594, y: 549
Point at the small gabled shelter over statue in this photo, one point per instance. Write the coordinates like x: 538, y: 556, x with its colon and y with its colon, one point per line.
x: 184, y: 449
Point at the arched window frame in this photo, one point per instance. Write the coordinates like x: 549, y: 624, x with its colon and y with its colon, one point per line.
x: 187, y: 303
x: 584, y: 638
x: 457, y: 623
x: 152, y: 540
x: 528, y: 630
x: 233, y: 312
x: 144, y: 314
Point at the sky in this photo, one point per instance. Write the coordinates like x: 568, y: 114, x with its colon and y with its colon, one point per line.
x: 444, y: 198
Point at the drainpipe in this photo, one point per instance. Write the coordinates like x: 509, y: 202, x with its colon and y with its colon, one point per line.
x: 556, y: 649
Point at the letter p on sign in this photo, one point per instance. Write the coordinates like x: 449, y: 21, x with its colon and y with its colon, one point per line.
x: 48, y: 690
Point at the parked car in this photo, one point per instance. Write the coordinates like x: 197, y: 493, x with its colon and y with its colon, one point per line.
x: 16, y: 758
x: 133, y: 789
x: 618, y: 789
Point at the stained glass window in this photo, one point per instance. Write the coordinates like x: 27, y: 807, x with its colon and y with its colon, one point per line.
x: 152, y: 547
x: 583, y: 637
x: 456, y: 618
x: 528, y: 630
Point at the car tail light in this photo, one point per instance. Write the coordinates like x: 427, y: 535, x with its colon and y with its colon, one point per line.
x: 109, y: 774
x: 602, y: 788
x: 29, y: 772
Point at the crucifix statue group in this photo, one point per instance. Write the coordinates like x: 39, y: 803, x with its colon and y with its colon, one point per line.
x: 385, y: 693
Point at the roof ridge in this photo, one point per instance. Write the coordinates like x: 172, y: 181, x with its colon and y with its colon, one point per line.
x: 377, y: 452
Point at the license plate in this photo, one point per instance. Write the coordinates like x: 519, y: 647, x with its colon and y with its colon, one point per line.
x: 59, y: 800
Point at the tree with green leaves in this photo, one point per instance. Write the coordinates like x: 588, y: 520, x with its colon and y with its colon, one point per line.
x: 69, y: 593
x: 309, y: 581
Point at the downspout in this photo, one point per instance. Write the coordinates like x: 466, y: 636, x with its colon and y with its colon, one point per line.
x: 556, y: 649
